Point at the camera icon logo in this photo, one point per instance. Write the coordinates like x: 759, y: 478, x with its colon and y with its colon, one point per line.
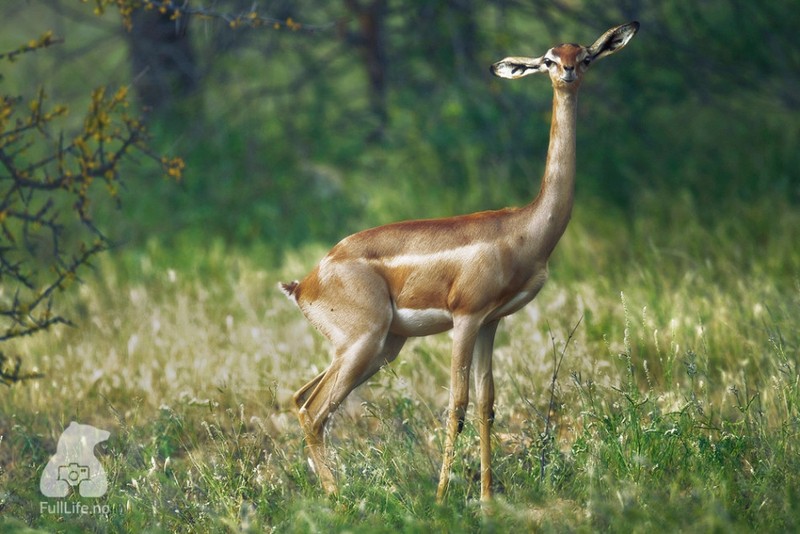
x: 74, y: 465
x: 73, y: 474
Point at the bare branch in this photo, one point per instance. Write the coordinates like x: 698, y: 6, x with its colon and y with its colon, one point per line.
x: 46, y: 179
x: 245, y: 19
x: 11, y: 373
x: 44, y: 41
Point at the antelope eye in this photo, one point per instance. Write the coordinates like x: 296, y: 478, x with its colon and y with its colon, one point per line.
x: 548, y: 62
x: 587, y: 60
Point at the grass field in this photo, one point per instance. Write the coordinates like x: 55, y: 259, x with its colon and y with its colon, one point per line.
x: 676, y: 406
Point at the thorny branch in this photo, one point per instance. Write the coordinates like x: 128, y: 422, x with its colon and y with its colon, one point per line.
x: 48, y: 184
x: 180, y: 8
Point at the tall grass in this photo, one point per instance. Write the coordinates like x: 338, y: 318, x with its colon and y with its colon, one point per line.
x: 676, y: 404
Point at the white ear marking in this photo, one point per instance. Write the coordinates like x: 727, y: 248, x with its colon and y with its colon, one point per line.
x: 517, y: 67
x: 613, y: 40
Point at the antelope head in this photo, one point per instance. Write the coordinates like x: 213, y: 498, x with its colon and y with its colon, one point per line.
x: 567, y: 63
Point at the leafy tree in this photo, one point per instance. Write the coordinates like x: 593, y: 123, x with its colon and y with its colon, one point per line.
x: 50, y: 181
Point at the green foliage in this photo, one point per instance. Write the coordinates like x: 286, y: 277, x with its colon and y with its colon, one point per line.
x: 281, y: 147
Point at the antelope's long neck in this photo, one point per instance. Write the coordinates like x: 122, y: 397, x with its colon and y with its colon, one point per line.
x: 550, y: 212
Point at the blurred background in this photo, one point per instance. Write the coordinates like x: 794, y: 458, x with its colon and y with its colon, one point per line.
x: 341, y: 115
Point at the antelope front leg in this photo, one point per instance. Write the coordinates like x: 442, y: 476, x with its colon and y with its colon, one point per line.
x: 464, y: 334
x: 484, y: 388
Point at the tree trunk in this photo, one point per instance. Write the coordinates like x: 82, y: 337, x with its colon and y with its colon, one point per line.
x: 162, y: 59
x: 371, y: 43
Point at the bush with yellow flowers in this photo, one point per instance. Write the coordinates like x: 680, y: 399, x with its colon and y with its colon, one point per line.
x: 49, y: 181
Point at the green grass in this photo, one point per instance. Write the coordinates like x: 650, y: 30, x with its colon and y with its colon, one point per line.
x: 677, y: 405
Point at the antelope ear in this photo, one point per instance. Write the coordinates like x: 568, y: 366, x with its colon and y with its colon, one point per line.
x: 613, y: 40
x: 517, y: 67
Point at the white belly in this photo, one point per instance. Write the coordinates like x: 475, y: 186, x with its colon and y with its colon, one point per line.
x: 409, y: 322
